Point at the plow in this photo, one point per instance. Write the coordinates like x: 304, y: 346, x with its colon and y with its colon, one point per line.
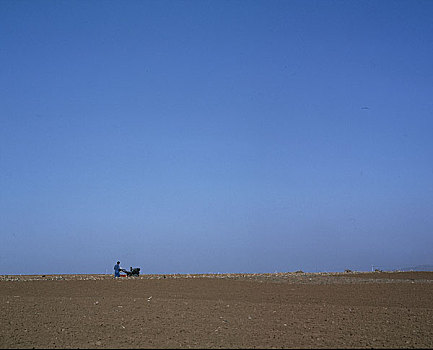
x: 132, y: 271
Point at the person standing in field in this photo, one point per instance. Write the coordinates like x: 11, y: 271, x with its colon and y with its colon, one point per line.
x: 117, y: 269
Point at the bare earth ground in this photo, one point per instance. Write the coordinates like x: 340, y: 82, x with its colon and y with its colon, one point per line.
x: 280, y: 310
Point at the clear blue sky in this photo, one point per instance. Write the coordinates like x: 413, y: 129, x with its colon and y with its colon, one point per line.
x: 215, y: 136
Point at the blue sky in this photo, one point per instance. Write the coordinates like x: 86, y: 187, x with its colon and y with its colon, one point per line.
x: 215, y: 136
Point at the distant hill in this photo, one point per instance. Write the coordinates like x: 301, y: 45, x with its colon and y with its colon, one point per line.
x: 418, y: 268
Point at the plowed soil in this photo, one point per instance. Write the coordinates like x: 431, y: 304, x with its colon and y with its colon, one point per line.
x: 281, y: 310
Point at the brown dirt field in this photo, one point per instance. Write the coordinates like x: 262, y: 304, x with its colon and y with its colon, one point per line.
x: 281, y: 310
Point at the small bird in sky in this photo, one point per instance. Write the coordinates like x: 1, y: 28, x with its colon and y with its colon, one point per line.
x: 365, y: 107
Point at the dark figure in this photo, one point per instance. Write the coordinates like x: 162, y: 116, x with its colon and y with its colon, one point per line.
x: 132, y: 271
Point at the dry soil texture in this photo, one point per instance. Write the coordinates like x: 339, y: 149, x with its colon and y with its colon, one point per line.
x: 281, y: 310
